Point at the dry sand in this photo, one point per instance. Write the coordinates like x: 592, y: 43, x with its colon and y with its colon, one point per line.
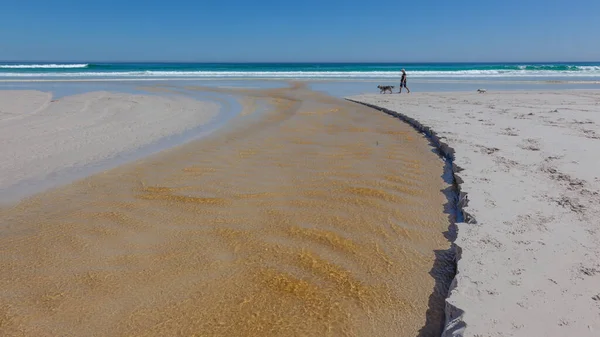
x: 315, y: 218
x: 530, y: 164
x: 41, y: 137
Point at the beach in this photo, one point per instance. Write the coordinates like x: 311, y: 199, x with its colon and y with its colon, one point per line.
x: 201, y: 168
x: 527, y: 170
x: 428, y: 214
x: 45, y: 142
x: 304, y: 215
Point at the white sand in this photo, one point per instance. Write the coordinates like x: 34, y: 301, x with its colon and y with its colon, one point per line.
x: 530, y: 265
x: 39, y: 138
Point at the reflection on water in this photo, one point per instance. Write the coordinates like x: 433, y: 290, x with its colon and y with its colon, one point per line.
x: 320, y: 218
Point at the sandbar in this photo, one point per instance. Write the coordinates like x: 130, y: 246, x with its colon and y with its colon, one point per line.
x: 44, y: 140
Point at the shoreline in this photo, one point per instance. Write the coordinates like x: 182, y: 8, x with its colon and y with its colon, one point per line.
x: 79, y: 135
x: 287, y: 79
x: 480, y: 301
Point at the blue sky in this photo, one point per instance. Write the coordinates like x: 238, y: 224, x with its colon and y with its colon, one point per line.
x: 300, y: 31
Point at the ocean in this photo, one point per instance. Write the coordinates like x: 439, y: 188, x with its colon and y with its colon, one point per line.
x: 316, y: 71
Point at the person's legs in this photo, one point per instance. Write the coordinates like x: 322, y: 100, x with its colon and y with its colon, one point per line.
x: 402, y: 84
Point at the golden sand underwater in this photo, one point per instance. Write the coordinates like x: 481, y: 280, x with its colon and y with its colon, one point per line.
x: 318, y: 217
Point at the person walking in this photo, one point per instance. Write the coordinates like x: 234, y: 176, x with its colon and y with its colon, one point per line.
x: 403, y: 82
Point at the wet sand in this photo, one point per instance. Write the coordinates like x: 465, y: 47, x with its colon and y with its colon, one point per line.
x: 317, y: 217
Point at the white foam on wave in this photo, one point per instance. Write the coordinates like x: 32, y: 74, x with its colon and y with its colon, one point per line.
x: 42, y: 66
x: 589, y: 68
x: 592, y: 71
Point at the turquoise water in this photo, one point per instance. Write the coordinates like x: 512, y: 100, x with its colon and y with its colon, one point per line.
x: 539, y: 71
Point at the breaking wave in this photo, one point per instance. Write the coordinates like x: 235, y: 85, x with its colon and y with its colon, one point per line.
x: 301, y: 71
x: 42, y: 66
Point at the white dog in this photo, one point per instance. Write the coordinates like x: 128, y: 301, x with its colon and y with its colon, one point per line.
x: 481, y: 91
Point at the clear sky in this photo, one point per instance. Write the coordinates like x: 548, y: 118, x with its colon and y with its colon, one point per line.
x: 300, y: 31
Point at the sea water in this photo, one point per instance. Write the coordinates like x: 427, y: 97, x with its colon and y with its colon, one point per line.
x: 587, y: 72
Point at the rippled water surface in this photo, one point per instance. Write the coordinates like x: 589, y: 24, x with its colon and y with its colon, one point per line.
x: 312, y: 217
